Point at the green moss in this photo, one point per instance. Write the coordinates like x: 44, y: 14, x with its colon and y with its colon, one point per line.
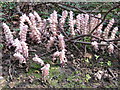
x: 34, y: 66
x: 69, y: 78
x: 54, y: 83
x: 54, y: 70
x: 34, y: 70
x: 34, y: 73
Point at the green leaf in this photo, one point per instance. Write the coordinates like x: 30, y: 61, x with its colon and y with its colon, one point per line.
x: 17, y: 29
x: 4, y: 5
x: 109, y: 63
x: 101, y: 63
x: 87, y: 60
x: 88, y: 77
x: 1, y: 46
x: 96, y: 57
x: 1, y: 14
x: 11, y: 7
x: 2, y: 19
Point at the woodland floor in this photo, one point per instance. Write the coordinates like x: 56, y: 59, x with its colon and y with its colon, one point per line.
x: 78, y: 72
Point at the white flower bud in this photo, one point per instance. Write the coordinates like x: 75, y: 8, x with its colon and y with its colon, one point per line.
x: 38, y: 60
x: 45, y: 70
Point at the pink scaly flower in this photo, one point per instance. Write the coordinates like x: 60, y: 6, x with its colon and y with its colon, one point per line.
x: 35, y: 34
x: 38, y: 60
x: 61, y: 41
x: 32, y: 19
x: 93, y: 23
x: 56, y: 54
x: 50, y: 42
x: 18, y: 46
x: 110, y: 48
x: 25, y: 18
x: 40, y: 22
x: 95, y: 45
x: 86, y: 20
x: 107, y: 29
x: 37, y: 16
x: 23, y: 32
x: 20, y: 57
x: 63, y: 58
x: 99, y: 29
x: 53, y: 23
x: 25, y: 49
x: 113, y: 33
x: 63, y: 18
x: 42, y: 26
x: 45, y: 70
x: 8, y: 34
x: 78, y: 24
x: 72, y: 23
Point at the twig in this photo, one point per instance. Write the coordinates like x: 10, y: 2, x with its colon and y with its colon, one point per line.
x: 83, y: 35
x: 89, y: 43
x: 111, y: 73
x: 116, y: 47
x: 46, y: 53
x: 76, y: 37
x: 117, y: 39
x: 63, y: 32
x: 10, y: 71
x: 68, y: 38
x: 76, y: 47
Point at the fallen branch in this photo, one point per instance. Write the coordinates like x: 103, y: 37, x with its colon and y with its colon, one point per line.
x: 104, y: 18
x: 99, y: 44
x: 89, y: 35
x: 89, y: 43
x: 76, y: 37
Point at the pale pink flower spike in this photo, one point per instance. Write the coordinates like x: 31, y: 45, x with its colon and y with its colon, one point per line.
x: 20, y: 57
x: 95, y: 45
x: 45, y: 70
x: 38, y: 60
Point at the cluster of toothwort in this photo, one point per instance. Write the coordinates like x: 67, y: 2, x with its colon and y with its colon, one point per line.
x: 85, y: 24
x: 48, y: 29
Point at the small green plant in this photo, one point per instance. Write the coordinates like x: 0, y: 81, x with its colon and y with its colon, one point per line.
x: 87, y: 77
x: 87, y: 39
x: 101, y: 63
x: 109, y: 63
x: 96, y: 57
x: 1, y: 46
x: 17, y: 29
x: 87, y: 60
